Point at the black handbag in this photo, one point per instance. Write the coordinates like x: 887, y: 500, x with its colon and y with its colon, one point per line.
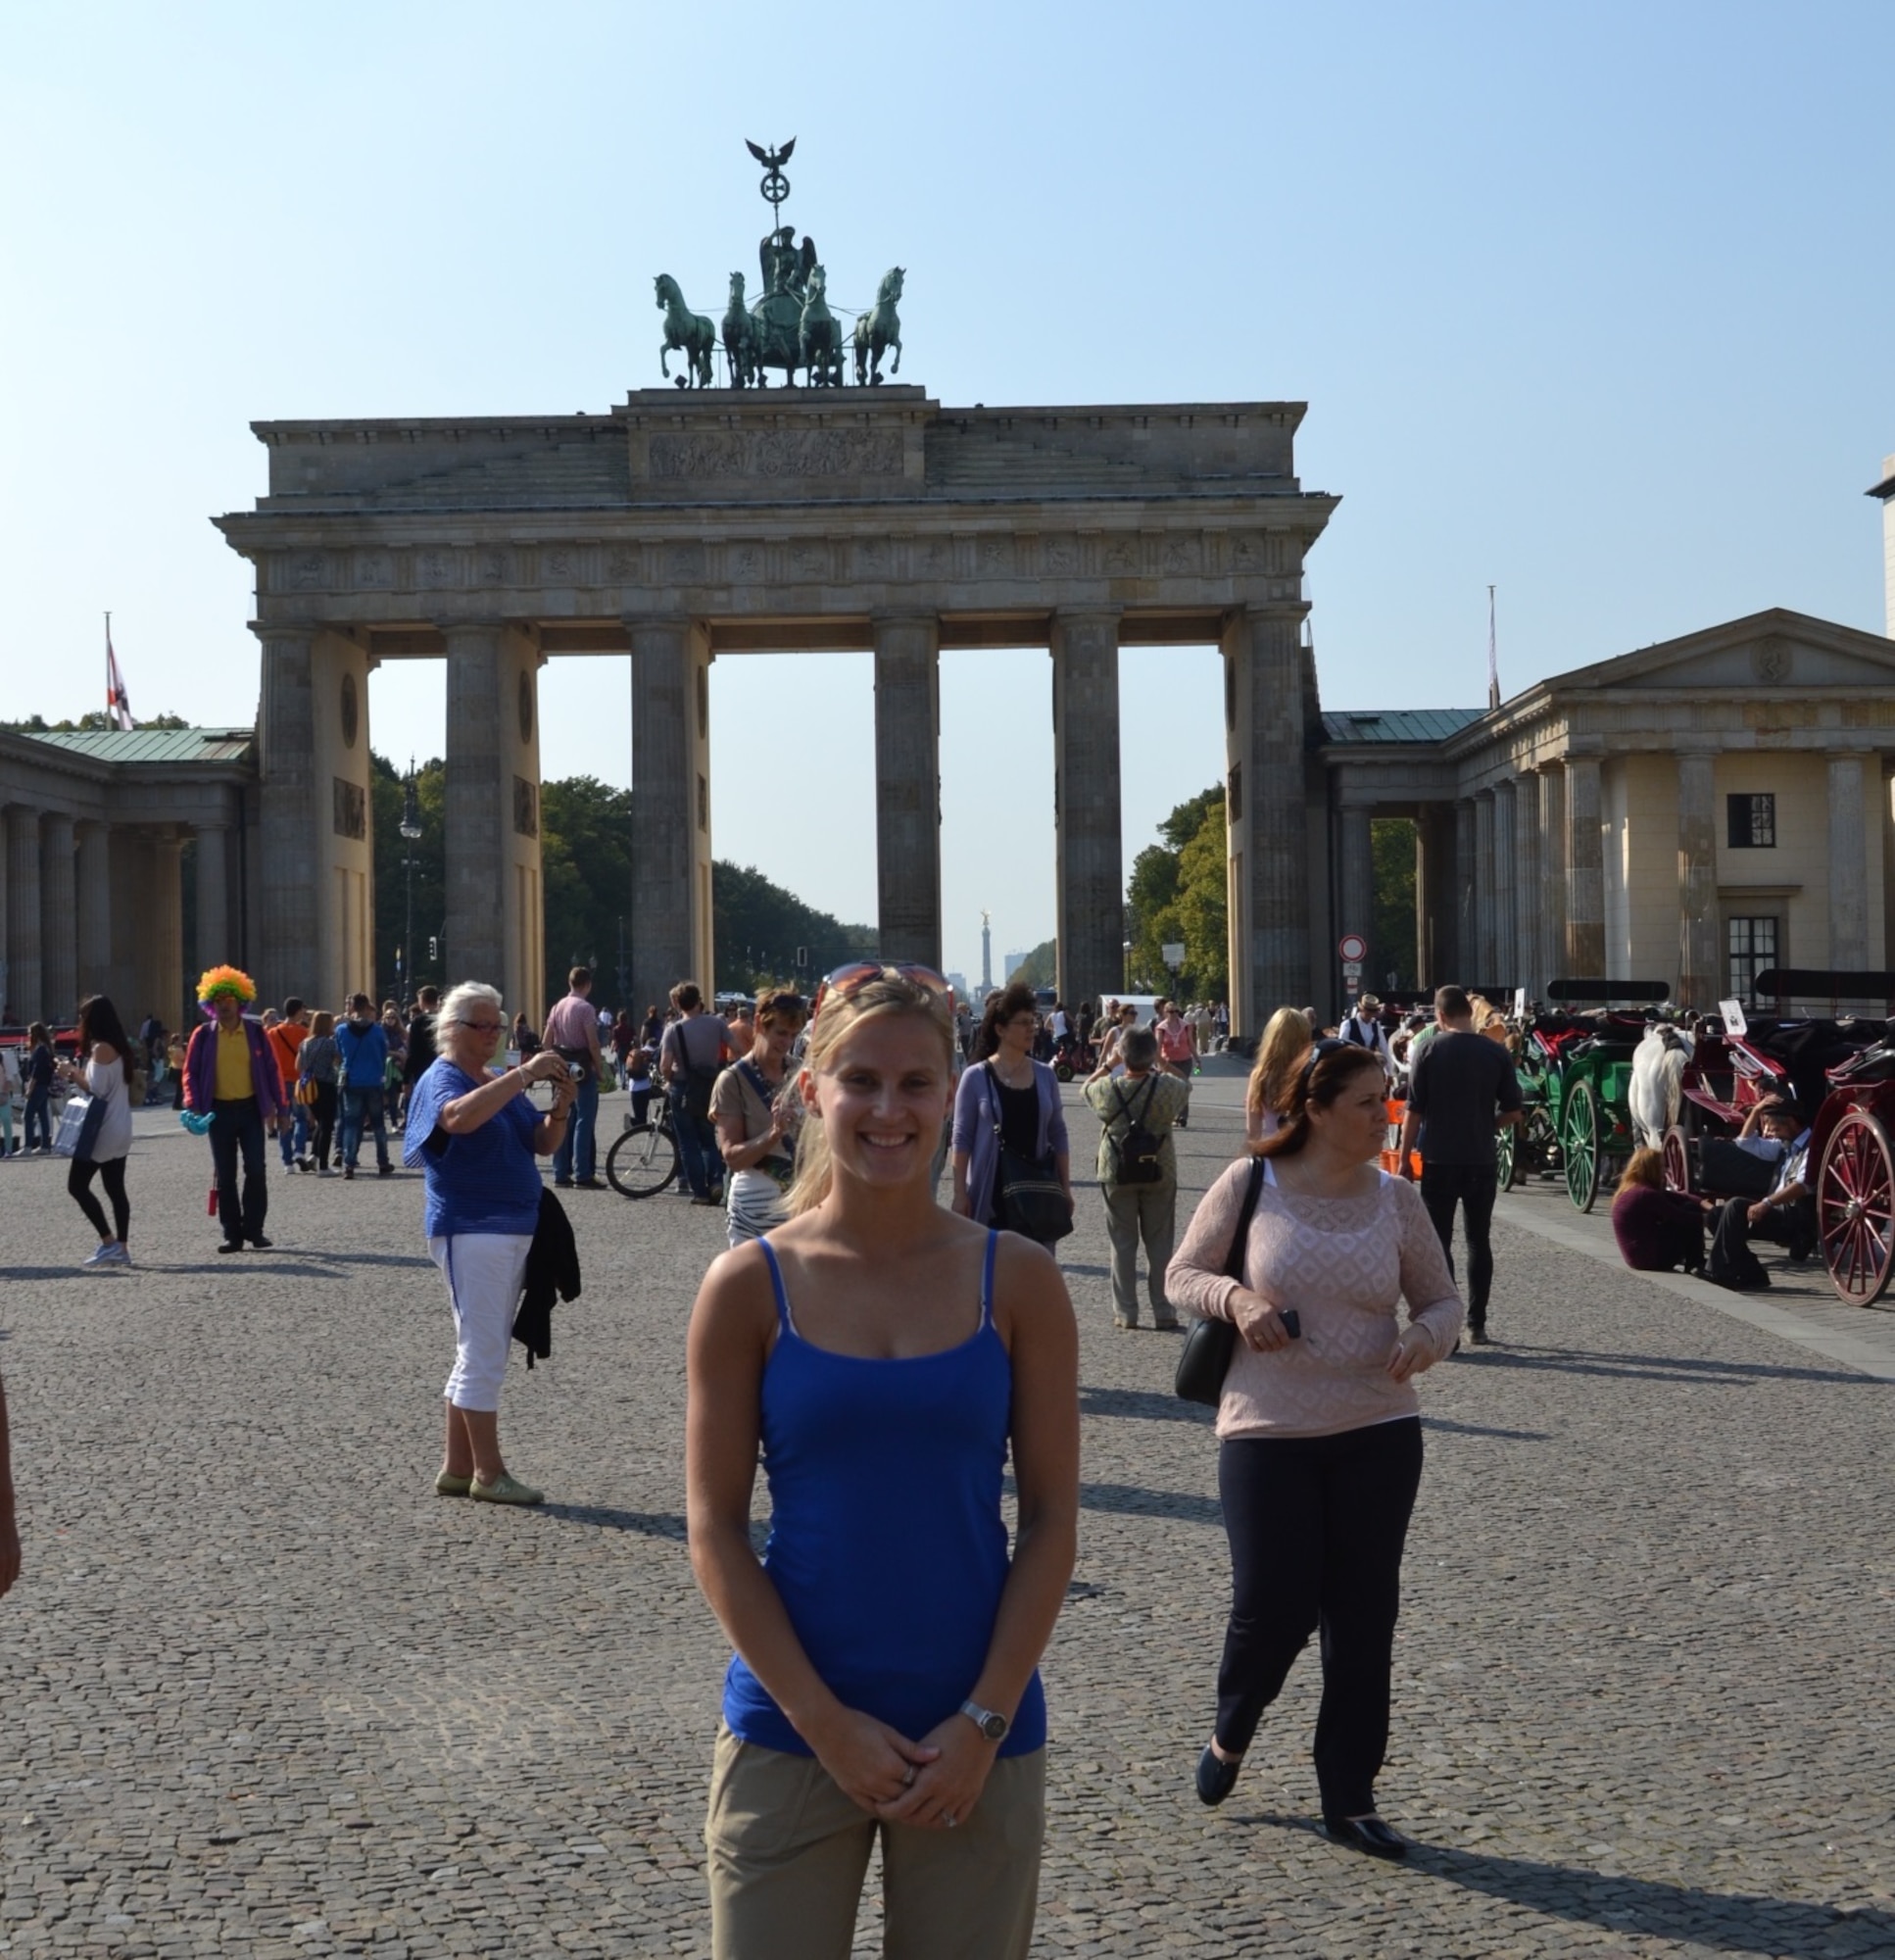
x: 1030, y: 1199
x: 1210, y: 1343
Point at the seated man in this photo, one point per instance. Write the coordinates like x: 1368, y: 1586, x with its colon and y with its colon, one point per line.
x: 1787, y: 1216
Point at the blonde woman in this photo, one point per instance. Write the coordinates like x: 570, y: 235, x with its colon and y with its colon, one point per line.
x: 1279, y: 1055
x: 886, y: 1357
x: 755, y: 1110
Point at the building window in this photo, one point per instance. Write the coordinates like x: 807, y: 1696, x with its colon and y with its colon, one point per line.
x: 526, y: 807
x: 1234, y: 795
x: 703, y: 805
x: 1752, y: 823
x: 1753, y: 951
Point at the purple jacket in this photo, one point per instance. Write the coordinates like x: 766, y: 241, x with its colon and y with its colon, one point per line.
x: 973, y: 1133
x: 201, y: 1068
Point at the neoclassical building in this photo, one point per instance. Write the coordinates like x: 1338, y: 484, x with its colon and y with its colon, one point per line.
x: 1697, y: 813
x: 98, y: 831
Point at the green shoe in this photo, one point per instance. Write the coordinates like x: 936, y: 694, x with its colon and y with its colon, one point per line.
x: 507, y: 1489
x: 447, y: 1485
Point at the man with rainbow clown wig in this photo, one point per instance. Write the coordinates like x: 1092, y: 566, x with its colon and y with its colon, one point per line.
x: 232, y: 1088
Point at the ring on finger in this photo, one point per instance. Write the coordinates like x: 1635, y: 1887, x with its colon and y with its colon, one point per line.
x: 948, y: 1818
x: 907, y: 1777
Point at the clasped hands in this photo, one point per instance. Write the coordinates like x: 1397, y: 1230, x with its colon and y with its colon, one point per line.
x: 924, y: 1783
x: 1261, y: 1327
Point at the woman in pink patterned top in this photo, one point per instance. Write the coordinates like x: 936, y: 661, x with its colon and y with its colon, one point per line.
x: 1320, y: 1428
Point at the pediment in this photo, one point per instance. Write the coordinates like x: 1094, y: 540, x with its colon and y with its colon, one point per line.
x: 1778, y: 649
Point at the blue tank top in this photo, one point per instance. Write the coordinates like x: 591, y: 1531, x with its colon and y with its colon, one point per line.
x: 886, y: 1546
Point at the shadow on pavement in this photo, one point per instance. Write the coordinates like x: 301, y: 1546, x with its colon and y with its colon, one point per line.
x: 1650, y: 1367
x: 647, y: 1524
x: 1480, y: 1429
x: 1146, y: 1404
x: 1726, y: 1922
x: 1135, y: 1501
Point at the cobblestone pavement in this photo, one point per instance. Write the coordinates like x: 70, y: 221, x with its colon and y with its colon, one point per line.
x: 262, y: 1694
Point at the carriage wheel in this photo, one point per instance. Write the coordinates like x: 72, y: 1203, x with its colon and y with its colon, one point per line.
x: 1678, y: 1160
x: 1579, y: 1145
x: 1506, y: 1156
x: 1855, y: 1208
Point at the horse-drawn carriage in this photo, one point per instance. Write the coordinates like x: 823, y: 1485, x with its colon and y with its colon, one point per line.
x: 1839, y: 1073
x: 1574, y: 1068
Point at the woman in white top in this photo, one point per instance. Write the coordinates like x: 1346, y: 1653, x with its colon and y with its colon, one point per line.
x: 105, y: 1074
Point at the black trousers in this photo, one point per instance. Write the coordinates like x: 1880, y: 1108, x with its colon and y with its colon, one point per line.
x: 324, y: 1116
x: 239, y: 1131
x: 1789, y: 1225
x: 1317, y: 1526
x: 1473, y: 1188
x: 111, y: 1174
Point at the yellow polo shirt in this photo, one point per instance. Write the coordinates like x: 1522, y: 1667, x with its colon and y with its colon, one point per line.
x: 233, y: 1078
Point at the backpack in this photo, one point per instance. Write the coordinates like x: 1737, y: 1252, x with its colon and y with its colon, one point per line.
x: 1138, y: 1149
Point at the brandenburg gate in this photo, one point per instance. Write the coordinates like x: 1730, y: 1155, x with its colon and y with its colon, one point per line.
x: 686, y: 525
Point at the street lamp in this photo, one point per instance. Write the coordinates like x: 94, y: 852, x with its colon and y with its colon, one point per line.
x: 410, y: 829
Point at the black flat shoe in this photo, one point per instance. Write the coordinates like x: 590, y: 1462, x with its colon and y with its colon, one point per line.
x: 1367, y: 1834
x: 1216, y: 1778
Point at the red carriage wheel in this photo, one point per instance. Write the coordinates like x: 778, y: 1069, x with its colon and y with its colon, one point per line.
x: 1855, y: 1208
x: 1678, y: 1160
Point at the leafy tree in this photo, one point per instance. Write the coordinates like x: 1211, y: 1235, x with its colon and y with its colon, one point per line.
x: 760, y: 928
x: 387, y: 798
x: 1179, y: 892
x: 1391, y: 946
x: 1040, y: 966
x: 97, y: 720
x: 586, y: 878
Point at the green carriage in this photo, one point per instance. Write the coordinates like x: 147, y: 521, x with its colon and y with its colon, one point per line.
x: 1578, y: 1064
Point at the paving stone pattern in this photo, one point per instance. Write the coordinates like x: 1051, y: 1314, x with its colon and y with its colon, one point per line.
x: 262, y: 1694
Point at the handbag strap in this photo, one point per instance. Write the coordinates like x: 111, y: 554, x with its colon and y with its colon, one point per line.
x: 1234, y: 1259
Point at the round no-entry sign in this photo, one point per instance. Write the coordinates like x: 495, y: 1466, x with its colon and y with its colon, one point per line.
x: 1352, y: 945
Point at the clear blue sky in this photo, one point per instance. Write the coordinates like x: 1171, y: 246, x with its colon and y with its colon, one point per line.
x: 1590, y: 302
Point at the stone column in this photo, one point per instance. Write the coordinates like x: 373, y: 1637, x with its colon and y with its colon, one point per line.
x: 213, y: 896
x: 159, y: 932
x: 1550, y: 934
x: 1586, y: 871
x: 1088, y: 873
x: 907, y: 788
x: 59, y: 925
x: 1484, y: 954
x: 1848, y: 865
x: 25, y: 971
x: 1466, y: 946
x: 290, y: 882
x: 96, y: 908
x: 672, y: 916
x: 1530, y: 898
x: 1356, y: 880
x: 1268, y: 813
x: 1697, y: 878
x: 1506, y: 962
x: 1434, y: 895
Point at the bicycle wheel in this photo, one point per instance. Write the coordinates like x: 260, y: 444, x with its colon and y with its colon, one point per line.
x: 641, y: 1162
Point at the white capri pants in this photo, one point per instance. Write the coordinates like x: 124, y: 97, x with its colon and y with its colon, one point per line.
x: 484, y: 1272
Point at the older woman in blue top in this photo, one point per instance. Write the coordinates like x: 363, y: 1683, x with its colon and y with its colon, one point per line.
x: 476, y: 1136
x: 1011, y: 1100
x: 885, y: 1356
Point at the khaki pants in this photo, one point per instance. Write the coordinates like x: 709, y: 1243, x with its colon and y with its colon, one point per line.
x: 787, y: 1853
x: 1136, y: 1212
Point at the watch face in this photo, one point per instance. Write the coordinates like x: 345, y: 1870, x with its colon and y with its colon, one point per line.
x: 994, y: 1727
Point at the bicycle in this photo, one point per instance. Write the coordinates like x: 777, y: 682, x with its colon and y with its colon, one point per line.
x: 643, y: 1157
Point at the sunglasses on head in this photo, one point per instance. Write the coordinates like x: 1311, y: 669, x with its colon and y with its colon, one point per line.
x: 1328, y: 1045
x: 782, y: 1003
x: 852, y: 978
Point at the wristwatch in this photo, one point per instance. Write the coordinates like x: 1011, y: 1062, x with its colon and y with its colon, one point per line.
x: 988, y: 1721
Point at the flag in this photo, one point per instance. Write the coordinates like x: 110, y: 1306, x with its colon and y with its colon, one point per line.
x: 117, y: 703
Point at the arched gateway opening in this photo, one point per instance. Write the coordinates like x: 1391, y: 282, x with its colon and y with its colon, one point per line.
x: 686, y: 528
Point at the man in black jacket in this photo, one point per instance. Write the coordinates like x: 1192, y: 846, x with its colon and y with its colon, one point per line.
x: 1461, y: 1090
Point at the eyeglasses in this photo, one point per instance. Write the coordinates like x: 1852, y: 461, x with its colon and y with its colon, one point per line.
x: 484, y: 1027
x: 858, y: 973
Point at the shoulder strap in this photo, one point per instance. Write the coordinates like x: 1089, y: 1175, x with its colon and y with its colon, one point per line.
x: 986, y: 1279
x: 1233, y: 1262
x: 776, y: 1284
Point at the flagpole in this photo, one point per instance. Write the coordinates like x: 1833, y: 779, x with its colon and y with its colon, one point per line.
x: 1494, y: 658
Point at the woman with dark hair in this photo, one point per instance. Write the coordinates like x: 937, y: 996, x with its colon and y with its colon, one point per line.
x: 105, y: 1073
x: 1320, y: 1455
x: 1007, y: 1105
x: 40, y: 1070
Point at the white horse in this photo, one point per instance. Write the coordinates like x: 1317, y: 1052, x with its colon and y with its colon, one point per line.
x: 879, y: 329
x: 686, y: 331
x: 1655, y: 1095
